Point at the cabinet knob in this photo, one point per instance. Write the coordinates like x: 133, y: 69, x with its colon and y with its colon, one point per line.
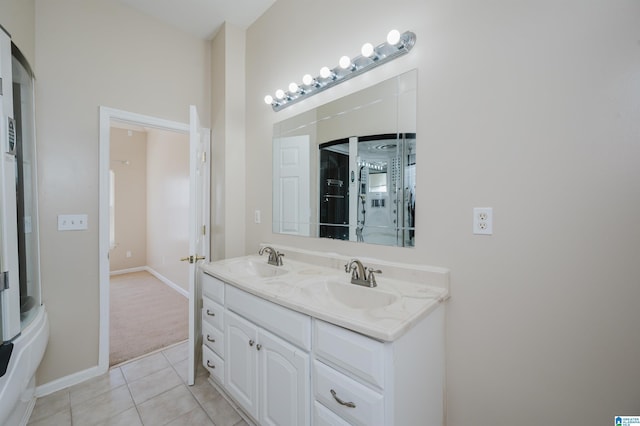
x: 258, y: 346
x: 211, y: 314
x: 251, y: 342
x: 341, y: 402
x: 210, y: 339
x: 210, y: 365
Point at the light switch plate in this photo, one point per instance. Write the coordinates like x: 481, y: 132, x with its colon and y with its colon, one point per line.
x: 72, y: 222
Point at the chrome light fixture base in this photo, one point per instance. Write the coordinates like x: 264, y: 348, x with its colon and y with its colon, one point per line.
x: 396, y: 46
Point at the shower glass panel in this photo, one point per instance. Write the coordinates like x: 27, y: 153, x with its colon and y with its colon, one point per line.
x: 23, y: 110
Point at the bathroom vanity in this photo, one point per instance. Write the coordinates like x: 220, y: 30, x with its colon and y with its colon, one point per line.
x: 298, y: 344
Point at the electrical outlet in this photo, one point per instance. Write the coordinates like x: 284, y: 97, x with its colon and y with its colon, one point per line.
x: 483, y: 221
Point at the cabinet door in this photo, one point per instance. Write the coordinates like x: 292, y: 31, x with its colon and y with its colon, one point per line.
x: 284, y: 382
x: 241, y: 362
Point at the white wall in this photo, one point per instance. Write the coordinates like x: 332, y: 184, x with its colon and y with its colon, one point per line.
x: 168, y: 205
x: 532, y: 108
x: 92, y: 53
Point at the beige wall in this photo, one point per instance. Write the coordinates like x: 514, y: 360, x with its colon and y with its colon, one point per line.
x: 168, y: 205
x: 228, y: 181
x: 128, y: 154
x: 92, y: 53
x: 18, y: 18
x: 531, y: 108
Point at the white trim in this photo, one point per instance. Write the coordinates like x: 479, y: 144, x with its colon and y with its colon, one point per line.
x: 106, y: 116
x: 27, y: 414
x: 168, y: 282
x: 156, y: 274
x: 67, y: 381
x: 129, y: 270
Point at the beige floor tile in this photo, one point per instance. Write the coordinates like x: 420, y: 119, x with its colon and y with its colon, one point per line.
x: 195, y: 417
x: 167, y: 407
x: 182, y: 367
x: 96, y: 386
x: 61, y: 418
x: 177, y: 353
x: 102, y: 407
x: 126, y: 418
x: 50, y: 405
x: 154, y: 384
x: 144, y: 366
x: 216, y: 406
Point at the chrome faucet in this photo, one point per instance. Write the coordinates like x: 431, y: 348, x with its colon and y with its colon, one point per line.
x: 275, y: 258
x: 359, y: 273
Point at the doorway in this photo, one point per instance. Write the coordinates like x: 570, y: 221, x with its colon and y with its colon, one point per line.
x: 199, y: 202
x: 148, y: 233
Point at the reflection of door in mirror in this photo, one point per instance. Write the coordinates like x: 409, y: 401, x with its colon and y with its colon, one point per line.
x: 291, y: 185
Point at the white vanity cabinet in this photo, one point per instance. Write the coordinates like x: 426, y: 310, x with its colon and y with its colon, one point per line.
x: 361, y: 381
x: 213, y: 326
x: 284, y: 366
x: 266, y: 375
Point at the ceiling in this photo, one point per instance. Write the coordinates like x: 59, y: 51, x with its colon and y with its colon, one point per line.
x: 202, y: 18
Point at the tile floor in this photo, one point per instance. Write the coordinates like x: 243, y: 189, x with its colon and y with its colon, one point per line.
x: 150, y: 391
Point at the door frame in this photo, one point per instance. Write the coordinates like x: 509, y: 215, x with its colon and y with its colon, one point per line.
x: 108, y: 114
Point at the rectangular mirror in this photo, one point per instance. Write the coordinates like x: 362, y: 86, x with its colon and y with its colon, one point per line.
x: 347, y: 169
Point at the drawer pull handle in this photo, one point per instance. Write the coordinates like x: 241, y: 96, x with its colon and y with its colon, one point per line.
x: 210, y: 339
x: 211, y: 314
x: 341, y: 402
x: 210, y: 365
x: 251, y: 342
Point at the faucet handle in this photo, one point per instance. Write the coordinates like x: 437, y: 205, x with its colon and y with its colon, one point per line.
x: 372, y: 278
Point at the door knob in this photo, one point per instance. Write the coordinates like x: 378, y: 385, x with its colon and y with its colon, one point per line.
x: 191, y: 259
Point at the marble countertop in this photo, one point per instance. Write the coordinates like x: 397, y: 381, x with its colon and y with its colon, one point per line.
x: 323, y: 291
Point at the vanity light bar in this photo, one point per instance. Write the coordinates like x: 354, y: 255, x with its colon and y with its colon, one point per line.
x: 396, y: 45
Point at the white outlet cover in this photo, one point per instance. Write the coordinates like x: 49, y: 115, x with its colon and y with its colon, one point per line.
x: 483, y: 221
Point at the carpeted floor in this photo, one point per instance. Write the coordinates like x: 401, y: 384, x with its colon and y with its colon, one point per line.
x: 145, y: 315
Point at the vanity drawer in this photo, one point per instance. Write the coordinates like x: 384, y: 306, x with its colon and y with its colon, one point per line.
x: 367, y: 405
x: 213, y: 363
x: 212, y: 288
x: 212, y: 313
x: 361, y: 356
x: 322, y: 416
x: 213, y: 338
x: 292, y: 326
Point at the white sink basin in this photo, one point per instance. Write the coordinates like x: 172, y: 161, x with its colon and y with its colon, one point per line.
x: 255, y: 269
x: 350, y: 295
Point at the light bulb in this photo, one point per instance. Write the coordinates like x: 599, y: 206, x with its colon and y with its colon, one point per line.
x: 307, y: 79
x: 268, y: 100
x: 367, y: 50
x: 393, y: 37
x: 345, y: 62
x: 293, y: 87
x: 325, y: 72
x: 280, y: 94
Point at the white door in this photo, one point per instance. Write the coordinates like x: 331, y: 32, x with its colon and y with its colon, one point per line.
x: 284, y: 382
x: 199, y: 145
x: 291, y: 189
x: 9, y: 267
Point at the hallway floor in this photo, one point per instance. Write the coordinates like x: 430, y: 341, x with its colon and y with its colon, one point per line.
x: 149, y: 391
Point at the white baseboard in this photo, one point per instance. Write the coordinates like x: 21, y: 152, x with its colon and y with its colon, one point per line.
x: 67, y: 381
x: 156, y: 274
x: 129, y: 270
x: 168, y: 282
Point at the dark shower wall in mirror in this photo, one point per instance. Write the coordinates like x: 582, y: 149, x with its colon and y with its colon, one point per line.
x: 334, y: 191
